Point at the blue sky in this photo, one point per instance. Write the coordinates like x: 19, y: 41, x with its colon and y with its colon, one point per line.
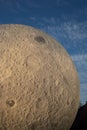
x: 65, y: 20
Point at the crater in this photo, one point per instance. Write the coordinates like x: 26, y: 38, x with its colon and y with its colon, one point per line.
x: 40, y: 39
x: 33, y: 126
x: 10, y: 103
x: 1, y: 86
x: 1, y: 90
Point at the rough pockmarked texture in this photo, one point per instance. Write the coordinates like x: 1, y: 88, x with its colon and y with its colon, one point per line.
x: 39, y: 86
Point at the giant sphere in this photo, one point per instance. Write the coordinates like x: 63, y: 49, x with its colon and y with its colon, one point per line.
x: 39, y: 86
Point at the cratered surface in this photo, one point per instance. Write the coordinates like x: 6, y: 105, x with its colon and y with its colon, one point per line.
x: 39, y: 86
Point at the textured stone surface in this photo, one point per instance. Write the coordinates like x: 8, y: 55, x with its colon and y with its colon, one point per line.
x: 39, y: 86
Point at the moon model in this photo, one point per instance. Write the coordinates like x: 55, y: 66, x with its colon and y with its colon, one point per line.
x: 39, y: 85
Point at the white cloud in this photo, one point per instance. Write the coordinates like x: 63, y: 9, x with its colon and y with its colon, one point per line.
x: 79, y: 57
x: 72, y: 30
x: 81, y: 65
x: 72, y: 34
x: 76, y: 30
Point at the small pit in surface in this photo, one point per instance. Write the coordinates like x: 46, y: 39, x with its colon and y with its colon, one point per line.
x: 33, y: 126
x: 10, y: 103
x: 40, y: 39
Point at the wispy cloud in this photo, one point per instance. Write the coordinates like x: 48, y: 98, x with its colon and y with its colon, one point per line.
x: 71, y: 29
x: 76, y: 30
x: 72, y: 34
x: 81, y: 65
x: 79, y: 57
